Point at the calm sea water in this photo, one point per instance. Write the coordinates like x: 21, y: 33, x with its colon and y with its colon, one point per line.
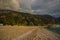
x: 55, y: 28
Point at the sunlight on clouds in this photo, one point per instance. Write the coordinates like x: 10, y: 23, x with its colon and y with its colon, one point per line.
x: 15, y: 4
x: 9, y: 4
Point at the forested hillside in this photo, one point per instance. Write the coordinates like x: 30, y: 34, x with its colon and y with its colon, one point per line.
x: 9, y: 17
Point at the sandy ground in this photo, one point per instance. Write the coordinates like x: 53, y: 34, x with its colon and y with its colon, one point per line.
x: 26, y: 33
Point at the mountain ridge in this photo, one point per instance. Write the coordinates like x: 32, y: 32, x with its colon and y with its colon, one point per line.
x: 10, y: 17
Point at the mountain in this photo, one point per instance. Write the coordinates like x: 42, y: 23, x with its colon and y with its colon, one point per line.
x: 10, y: 17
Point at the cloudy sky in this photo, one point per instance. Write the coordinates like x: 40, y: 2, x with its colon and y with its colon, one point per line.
x: 51, y: 7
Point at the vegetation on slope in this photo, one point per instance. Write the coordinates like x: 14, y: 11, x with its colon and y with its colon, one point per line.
x: 9, y: 17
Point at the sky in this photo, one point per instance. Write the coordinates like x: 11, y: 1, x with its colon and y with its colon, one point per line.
x: 39, y: 7
x: 51, y: 7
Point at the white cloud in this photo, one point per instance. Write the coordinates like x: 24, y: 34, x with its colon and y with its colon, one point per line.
x: 16, y: 4
x: 9, y: 4
x: 26, y: 5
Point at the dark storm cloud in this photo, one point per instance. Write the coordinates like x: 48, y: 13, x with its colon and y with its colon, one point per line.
x: 47, y: 6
